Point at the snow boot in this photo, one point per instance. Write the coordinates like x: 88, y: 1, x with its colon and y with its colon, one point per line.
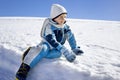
x: 22, y: 72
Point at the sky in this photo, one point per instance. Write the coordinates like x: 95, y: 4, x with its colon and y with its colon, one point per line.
x: 78, y: 9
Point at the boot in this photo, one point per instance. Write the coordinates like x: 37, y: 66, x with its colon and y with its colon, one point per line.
x: 22, y: 72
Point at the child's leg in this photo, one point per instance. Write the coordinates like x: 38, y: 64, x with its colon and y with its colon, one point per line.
x: 53, y: 54
x: 36, y: 54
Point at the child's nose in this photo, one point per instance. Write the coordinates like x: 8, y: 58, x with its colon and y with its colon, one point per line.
x: 63, y: 19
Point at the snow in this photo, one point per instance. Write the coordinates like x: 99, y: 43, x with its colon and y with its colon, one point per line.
x: 99, y: 39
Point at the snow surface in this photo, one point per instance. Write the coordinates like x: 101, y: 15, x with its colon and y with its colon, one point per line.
x: 99, y: 39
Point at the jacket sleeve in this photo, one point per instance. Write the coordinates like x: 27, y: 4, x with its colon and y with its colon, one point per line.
x: 70, y: 37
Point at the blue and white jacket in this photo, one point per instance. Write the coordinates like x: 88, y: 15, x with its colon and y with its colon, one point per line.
x: 56, y: 35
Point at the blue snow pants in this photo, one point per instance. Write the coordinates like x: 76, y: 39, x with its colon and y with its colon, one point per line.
x: 39, y: 52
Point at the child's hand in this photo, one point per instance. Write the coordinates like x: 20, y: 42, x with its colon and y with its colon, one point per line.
x: 77, y: 51
x: 70, y: 56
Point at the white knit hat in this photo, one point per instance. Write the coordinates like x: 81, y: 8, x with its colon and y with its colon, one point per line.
x: 56, y: 10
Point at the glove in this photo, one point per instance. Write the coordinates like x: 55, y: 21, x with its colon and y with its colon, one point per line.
x: 77, y: 51
x: 70, y: 56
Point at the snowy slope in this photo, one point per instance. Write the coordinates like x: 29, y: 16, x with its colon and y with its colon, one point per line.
x: 99, y: 39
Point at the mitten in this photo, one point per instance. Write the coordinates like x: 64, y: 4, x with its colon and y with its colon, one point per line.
x: 70, y: 56
x: 77, y: 51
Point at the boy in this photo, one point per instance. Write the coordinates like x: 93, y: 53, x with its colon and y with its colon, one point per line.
x: 54, y: 33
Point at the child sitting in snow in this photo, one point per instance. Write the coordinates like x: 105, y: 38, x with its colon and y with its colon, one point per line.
x: 54, y: 33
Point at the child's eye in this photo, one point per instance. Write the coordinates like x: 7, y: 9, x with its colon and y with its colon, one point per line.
x: 62, y: 17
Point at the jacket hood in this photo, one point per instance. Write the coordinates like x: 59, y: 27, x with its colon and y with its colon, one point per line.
x: 56, y: 10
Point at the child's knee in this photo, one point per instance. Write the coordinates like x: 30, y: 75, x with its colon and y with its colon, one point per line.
x: 44, y: 50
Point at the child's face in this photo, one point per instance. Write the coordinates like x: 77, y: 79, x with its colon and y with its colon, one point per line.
x: 61, y: 19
